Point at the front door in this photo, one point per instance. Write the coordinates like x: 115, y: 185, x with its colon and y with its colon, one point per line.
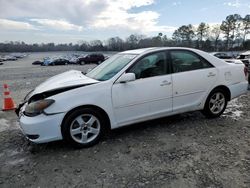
x: 149, y: 96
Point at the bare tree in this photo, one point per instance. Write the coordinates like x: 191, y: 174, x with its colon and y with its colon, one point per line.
x: 202, y: 32
x: 246, y: 26
x: 184, y: 34
x: 230, y: 27
x: 214, y: 34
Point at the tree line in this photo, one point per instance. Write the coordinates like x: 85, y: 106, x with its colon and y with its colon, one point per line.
x: 231, y: 34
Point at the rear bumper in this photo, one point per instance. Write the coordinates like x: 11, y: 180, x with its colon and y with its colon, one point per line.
x: 238, y: 89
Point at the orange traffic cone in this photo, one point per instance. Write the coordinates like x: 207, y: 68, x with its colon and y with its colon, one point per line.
x: 8, y: 103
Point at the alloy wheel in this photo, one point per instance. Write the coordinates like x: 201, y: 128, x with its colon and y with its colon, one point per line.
x: 217, y: 103
x: 85, y: 128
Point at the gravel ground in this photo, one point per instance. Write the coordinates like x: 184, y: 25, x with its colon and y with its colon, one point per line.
x: 186, y: 150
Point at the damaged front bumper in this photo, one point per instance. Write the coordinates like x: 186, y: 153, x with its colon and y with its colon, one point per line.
x: 18, y: 109
x: 41, y: 128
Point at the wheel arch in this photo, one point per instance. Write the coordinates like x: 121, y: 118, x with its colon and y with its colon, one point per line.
x: 225, y: 89
x: 97, y: 108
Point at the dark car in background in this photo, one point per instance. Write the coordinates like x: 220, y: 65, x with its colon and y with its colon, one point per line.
x: 222, y: 55
x: 54, y: 61
x: 59, y: 61
x: 91, y: 58
x: 72, y: 59
x: 37, y: 62
x: 245, y: 57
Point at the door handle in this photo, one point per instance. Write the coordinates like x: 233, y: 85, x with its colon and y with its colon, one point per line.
x: 211, y: 74
x: 165, y: 82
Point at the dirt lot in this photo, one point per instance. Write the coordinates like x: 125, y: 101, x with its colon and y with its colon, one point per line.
x: 186, y: 150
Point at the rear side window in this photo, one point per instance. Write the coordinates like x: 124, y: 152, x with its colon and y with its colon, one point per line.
x: 187, y: 61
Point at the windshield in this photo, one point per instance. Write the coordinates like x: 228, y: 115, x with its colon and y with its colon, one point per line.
x: 110, y: 67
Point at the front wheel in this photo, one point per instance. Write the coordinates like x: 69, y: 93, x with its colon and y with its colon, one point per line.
x: 216, y: 104
x: 83, y: 128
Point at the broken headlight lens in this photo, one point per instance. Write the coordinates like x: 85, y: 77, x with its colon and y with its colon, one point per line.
x: 37, y: 107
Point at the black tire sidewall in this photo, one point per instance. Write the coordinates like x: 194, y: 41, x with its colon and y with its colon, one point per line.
x: 65, y: 128
x: 206, y: 111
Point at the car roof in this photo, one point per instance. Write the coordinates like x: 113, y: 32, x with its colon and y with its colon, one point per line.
x: 214, y: 53
x: 212, y: 59
x: 138, y: 51
x: 155, y: 49
x: 95, y: 54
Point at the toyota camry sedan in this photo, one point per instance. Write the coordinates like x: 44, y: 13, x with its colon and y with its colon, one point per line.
x: 129, y: 87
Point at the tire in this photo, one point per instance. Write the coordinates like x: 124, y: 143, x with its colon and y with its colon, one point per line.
x: 80, y: 131
x: 82, y: 63
x: 216, y: 103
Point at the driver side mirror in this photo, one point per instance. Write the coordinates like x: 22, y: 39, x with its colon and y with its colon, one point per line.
x: 127, y: 77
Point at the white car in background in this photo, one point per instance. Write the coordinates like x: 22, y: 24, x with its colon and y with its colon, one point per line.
x: 130, y: 87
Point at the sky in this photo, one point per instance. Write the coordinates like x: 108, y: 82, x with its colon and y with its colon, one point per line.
x: 66, y: 21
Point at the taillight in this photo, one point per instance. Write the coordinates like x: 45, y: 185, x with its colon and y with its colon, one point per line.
x: 245, y: 71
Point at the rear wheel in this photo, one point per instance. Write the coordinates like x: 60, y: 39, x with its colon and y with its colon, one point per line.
x: 216, y: 104
x: 83, y: 128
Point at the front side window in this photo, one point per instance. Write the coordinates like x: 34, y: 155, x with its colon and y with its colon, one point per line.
x: 149, y: 66
x: 110, y: 67
x: 187, y: 61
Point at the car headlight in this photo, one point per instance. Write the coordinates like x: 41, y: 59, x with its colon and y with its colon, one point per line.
x: 37, y: 107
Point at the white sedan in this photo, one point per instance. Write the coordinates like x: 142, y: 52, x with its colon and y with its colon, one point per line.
x: 130, y: 87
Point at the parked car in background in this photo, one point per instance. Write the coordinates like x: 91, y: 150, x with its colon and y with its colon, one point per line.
x: 12, y: 56
x: 73, y: 60
x: 130, y: 87
x: 222, y: 55
x: 37, y: 62
x: 91, y: 58
x: 46, y: 61
x: 54, y: 61
x: 18, y: 55
x: 245, y: 57
x: 9, y: 58
x: 59, y: 61
x: 106, y: 57
x: 236, y: 61
x: 226, y: 57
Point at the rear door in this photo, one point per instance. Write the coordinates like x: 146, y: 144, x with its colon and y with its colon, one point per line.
x: 193, y: 77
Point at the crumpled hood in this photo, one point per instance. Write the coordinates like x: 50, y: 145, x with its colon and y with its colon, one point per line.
x: 64, y: 80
